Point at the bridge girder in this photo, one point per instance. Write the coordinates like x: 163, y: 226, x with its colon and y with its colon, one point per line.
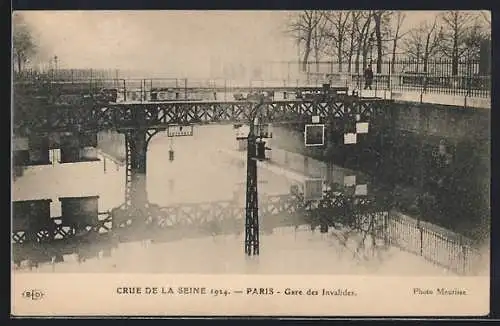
x: 212, y: 218
x: 161, y: 114
x: 146, y: 118
x: 373, y: 221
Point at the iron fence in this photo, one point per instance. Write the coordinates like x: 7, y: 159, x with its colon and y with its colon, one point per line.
x: 442, y: 67
x: 462, y: 78
x: 470, y: 78
x: 66, y: 75
x: 451, y: 251
x: 467, y: 86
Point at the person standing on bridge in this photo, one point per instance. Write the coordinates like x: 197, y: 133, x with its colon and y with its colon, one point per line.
x: 368, y: 74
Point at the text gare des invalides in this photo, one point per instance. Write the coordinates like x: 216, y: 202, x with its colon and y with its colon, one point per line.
x: 183, y: 290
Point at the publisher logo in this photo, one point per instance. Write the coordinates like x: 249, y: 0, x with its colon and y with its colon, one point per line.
x: 33, y: 294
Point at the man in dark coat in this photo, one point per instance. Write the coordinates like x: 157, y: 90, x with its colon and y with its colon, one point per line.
x: 368, y: 74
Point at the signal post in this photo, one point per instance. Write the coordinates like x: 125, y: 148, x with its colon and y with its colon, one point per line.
x: 256, y: 151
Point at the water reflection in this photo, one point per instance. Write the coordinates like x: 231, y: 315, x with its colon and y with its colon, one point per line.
x: 207, y: 168
x: 287, y: 251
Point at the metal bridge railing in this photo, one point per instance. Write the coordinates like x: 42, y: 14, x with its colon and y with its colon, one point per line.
x: 460, y: 77
x: 186, y: 89
x: 140, y: 90
x: 466, y: 86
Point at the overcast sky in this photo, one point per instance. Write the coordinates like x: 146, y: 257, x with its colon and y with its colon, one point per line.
x: 170, y: 41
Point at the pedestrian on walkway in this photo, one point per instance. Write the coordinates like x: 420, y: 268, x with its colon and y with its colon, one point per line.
x: 368, y: 74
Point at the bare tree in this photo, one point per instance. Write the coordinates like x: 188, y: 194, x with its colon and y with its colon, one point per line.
x: 302, y: 27
x: 378, y: 17
x: 472, y: 40
x: 456, y: 26
x: 22, y: 42
x: 423, y: 42
x: 486, y: 17
x: 365, y: 45
x: 319, y: 38
x: 362, y: 33
x: 338, y: 28
x: 484, y: 20
x: 354, y: 17
x: 395, y: 34
x: 356, y: 227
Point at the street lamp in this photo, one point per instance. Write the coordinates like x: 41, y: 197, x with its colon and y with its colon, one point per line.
x: 255, y: 151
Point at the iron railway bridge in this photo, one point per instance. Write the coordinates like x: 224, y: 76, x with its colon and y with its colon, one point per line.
x: 138, y: 219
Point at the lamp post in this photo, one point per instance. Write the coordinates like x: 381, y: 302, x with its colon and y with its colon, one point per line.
x: 252, y: 201
x: 254, y: 153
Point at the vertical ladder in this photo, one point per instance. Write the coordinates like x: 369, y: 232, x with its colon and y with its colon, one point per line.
x: 128, y: 170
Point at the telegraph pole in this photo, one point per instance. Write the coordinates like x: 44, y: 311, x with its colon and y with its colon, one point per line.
x: 252, y: 201
x: 255, y: 152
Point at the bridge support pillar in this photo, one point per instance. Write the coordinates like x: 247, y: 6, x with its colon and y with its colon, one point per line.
x: 252, y: 204
x: 138, y: 189
x: 136, y: 142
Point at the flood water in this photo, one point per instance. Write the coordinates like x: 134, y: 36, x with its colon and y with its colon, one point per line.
x: 207, y: 167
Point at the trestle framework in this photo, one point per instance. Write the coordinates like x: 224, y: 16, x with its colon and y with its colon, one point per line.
x: 141, y: 121
x: 152, y: 115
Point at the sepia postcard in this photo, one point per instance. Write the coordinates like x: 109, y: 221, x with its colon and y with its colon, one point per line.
x: 251, y: 163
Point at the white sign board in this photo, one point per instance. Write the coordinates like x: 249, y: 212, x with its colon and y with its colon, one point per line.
x: 178, y: 131
x: 243, y: 131
x: 314, y: 135
x: 349, y: 180
x: 350, y: 138
x: 361, y: 190
x: 362, y: 127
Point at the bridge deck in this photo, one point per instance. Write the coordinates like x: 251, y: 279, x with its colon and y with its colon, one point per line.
x: 250, y: 88
x: 234, y: 102
x: 204, y: 88
x: 91, y: 117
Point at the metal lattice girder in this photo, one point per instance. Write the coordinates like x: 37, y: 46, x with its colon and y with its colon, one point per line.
x: 278, y: 210
x: 161, y: 114
x: 252, y: 200
x: 177, y: 222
